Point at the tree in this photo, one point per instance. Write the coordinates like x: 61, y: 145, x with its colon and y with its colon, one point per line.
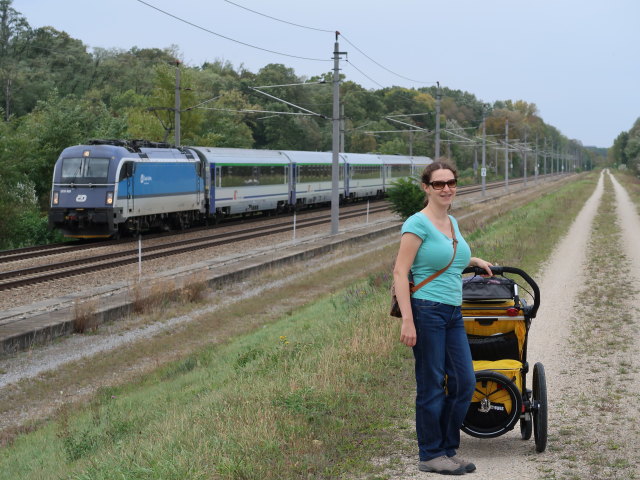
x: 226, y: 126
x: 12, y: 27
x: 50, y: 60
x: 55, y: 124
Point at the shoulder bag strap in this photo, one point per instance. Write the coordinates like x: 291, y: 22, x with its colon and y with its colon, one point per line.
x: 415, y: 288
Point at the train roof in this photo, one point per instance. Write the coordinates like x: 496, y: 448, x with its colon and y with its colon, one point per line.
x: 311, y: 157
x: 107, y: 151
x: 404, y: 160
x: 362, y: 158
x: 240, y: 155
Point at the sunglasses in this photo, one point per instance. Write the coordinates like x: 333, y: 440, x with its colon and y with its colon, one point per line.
x: 439, y: 184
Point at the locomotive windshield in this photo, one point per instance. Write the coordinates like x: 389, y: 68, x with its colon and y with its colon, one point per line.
x: 82, y: 170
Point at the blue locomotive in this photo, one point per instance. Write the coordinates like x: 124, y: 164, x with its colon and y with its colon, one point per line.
x: 110, y: 187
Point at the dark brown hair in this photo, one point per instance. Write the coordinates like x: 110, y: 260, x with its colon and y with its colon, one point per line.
x: 432, y: 167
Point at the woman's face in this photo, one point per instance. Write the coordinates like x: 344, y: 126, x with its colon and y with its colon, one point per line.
x: 445, y: 196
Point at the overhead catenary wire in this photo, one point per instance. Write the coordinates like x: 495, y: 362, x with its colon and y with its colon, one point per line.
x: 362, y: 73
x: 278, y: 19
x: 229, y: 38
x: 260, y: 111
x: 385, y: 68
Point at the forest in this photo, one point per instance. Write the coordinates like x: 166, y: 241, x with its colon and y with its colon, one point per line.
x: 55, y: 93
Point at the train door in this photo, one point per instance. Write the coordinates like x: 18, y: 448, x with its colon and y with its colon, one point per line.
x: 129, y: 169
x: 385, y: 174
x: 347, y: 179
x: 215, y: 184
x: 199, y: 172
x: 293, y: 180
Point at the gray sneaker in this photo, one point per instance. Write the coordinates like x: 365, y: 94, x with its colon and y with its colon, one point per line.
x: 443, y: 465
x: 468, y: 466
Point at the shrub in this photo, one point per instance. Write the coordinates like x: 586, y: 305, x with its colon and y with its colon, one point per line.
x: 406, y: 197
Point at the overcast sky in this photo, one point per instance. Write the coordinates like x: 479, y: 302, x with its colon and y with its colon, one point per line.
x: 577, y: 60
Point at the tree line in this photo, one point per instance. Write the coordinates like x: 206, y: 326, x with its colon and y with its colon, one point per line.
x: 54, y: 92
x: 626, y: 149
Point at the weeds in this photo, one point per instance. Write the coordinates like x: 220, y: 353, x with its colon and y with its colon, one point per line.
x: 84, y: 318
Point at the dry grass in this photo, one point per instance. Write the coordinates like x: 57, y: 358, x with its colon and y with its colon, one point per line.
x: 194, y: 289
x: 154, y: 297
x: 84, y: 319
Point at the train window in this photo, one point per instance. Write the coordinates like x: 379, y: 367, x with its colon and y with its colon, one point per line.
x: 315, y: 173
x: 198, y: 167
x: 126, y: 171
x: 236, y: 175
x: 97, y: 169
x: 71, y: 169
x: 365, y: 172
x: 271, y: 175
x: 85, y: 170
x: 400, y: 171
x: 246, y: 175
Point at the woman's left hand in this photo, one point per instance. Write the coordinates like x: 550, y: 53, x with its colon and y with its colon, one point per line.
x: 483, y: 264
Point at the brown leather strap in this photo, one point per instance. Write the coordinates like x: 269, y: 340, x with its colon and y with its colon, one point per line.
x: 415, y: 288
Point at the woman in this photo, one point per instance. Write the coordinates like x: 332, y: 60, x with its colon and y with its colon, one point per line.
x: 432, y: 321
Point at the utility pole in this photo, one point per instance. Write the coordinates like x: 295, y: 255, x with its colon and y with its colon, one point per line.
x: 483, y: 171
x: 438, y: 96
x: 536, y: 160
x: 544, y: 157
x: 411, y: 143
x: 177, y: 106
x: 342, y: 126
x: 525, y: 158
x: 335, y: 164
x: 506, y: 154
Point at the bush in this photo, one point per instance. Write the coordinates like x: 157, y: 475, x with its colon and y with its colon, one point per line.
x: 24, y: 225
x: 406, y: 197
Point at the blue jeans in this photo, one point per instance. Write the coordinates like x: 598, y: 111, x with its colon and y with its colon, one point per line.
x: 442, y: 349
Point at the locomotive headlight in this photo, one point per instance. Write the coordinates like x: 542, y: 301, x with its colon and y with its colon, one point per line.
x: 109, y: 199
x: 56, y: 198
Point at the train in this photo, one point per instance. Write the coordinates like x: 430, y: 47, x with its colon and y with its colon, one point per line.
x: 111, y: 188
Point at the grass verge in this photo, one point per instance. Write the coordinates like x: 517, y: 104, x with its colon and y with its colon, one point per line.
x: 313, y: 394
x: 631, y: 184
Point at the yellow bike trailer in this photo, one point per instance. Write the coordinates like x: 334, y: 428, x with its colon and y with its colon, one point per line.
x: 497, y: 320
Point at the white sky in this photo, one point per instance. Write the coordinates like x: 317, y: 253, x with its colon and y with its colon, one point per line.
x: 577, y: 60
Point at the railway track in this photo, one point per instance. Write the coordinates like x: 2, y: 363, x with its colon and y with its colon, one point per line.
x: 52, y: 271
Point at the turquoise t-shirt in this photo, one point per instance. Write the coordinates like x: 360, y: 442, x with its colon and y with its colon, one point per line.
x: 434, y: 254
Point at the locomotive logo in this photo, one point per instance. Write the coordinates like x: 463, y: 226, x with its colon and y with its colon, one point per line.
x: 144, y: 179
x: 81, y: 198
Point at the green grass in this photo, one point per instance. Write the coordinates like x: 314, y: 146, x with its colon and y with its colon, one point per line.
x: 631, y: 184
x: 315, y: 394
x: 292, y: 399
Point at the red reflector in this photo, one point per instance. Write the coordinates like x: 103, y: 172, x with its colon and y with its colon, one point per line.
x: 513, y: 312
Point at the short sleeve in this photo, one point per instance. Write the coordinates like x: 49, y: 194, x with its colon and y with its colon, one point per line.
x: 414, y: 225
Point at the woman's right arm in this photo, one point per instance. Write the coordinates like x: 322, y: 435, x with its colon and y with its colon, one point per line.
x: 409, y: 245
